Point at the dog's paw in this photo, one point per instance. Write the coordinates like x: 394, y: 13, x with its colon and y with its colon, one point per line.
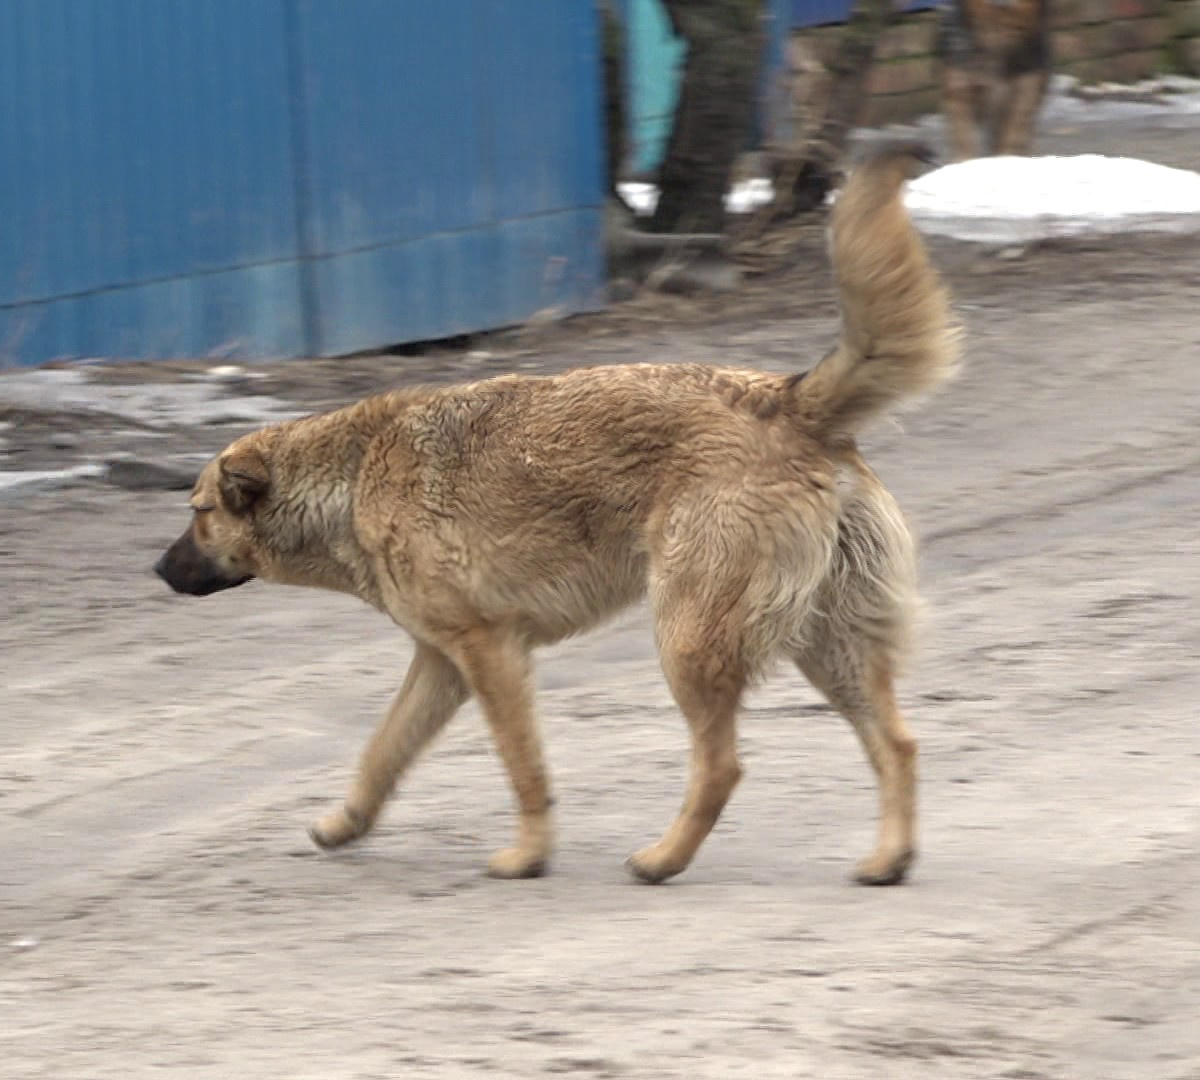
x: 513, y: 863
x: 886, y: 868
x: 336, y: 828
x: 652, y: 865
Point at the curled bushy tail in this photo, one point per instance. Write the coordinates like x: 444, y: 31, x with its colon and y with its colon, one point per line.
x: 899, y: 338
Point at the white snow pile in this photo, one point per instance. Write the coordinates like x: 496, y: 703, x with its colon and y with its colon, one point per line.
x: 1021, y: 199
x: 743, y: 197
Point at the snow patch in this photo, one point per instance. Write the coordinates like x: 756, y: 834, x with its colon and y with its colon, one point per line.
x: 153, y: 405
x: 745, y: 196
x: 1020, y: 199
x: 1016, y: 200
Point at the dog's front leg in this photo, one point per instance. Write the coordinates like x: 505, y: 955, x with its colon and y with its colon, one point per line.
x: 432, y: 692
x: 959, y: 96
x: 1018, y: 118
x: 497, y: 666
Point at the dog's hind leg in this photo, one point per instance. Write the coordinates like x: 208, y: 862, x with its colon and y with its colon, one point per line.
x: 850, y: 649
x: 498, y: 669
x: 731, y: 569
x: 432, y: 692
x: 858, y: 683
x: 707, y: 682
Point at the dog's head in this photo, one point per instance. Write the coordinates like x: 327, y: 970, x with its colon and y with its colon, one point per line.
x: 219, y: 549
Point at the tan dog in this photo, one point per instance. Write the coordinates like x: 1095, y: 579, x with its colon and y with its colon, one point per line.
x: 491, y: 518
x: 995, y: 57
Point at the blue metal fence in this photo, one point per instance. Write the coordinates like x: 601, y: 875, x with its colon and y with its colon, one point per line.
x: 819, y: 12
x: 286, y: 177
x: 824, y: 12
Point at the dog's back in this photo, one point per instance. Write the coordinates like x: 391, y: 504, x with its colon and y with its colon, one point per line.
x: 550, y: 503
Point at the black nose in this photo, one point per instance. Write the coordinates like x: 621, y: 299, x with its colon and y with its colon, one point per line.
x: 160, y: 567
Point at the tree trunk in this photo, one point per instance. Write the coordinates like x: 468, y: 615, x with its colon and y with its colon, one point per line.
x: 614, y: 93
x: 808, y: 178
x: 717, y: 97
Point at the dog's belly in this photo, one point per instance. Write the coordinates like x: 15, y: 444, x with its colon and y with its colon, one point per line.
x: 553, y: 578
x: 562, y: 600
x: 544, y: 579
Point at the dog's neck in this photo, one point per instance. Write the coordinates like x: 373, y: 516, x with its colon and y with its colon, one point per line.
x: 310, y: 526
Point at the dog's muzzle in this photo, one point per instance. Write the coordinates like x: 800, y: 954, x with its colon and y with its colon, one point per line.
x: 187, y: 570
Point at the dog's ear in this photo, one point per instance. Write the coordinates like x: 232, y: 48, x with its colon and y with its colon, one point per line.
x: 245, y: 478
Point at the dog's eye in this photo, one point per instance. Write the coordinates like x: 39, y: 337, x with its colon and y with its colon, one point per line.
x: 203, y: 509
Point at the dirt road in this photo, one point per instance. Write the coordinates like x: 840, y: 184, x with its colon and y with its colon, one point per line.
x: 162, y: 913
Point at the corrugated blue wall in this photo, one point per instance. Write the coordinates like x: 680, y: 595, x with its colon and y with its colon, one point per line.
x: 282, y: 177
